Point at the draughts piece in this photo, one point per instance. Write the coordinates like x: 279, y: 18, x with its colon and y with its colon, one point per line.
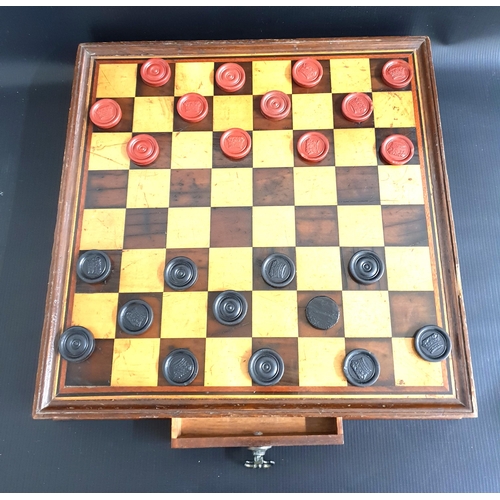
x: 192, y: 107
x: 361, y: 368
x: 236, y: 143
x: 278, y: 270
x: 307, y: 72
x: 266, y: 367
x: 180, y: 367
x: 275, y: 105
x: 432, y: 343
x: 93, y: 266
x: 366, y: 267
x: 181, y: 273
x: 155, y: 72
x: 230, y: 308
x: 397, y: 73
x: 105, y: 113
x: 135, y: 317
x: 322, y: 312
x: 143, y: 149
x: 230, y: 77
x: 397, y: 149
x: 76, y: 344
x: 313, y: 146
x: 357, y: 107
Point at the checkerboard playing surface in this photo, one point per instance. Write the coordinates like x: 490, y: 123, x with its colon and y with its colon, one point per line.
x: 228, y: 215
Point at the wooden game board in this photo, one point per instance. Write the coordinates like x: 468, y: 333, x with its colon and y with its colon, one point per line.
x: 227, y: 216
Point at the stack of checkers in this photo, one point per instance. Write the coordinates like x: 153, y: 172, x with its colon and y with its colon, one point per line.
x: 193, y: 238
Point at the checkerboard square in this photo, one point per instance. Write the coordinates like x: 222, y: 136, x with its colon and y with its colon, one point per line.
x: 400, y: 185
x: 315, y: 186
x: 116, y: 80
x: 350, y: 75
x: 317, y: 226
x: 405, y: 225
x: 148, y: 188
x: 231, y: 227
x: 318, y: 268
x: 232, y: 187
x: 273, y: 186
x: 142, y: 270
x: 393, y: 109
x: 184, y: 314
x: 410, y: 311
x: 360, y: 226
x: 135, y: 363
x: 273, y: 226
x: 358, y: 186
x: 235, y: 111
x: 355, y: 147
x: 102, y: 228
x: 195, y: 77
x: 153, y: 114
x: 366, y: 313
x: 274, y: 313
x: 106, y: 189
x: 190, y: 187
x: 312, y: 111
x: 409, y: 269
x: 108, y: 151
x: 230, y: 269
x: 145, y: 228
x: 192, y: 150
x: 102, y: 320
x: 272, y: 75
x: 188, y: 227
x: 273, y: 148
x: 226, y: 362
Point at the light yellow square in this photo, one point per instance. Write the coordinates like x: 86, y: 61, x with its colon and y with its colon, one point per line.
x: 400, y: 185
x: 408, y: 269
x: 360, y: 226
x: 148, y: 188
x: 318, y: 268
x: 366, y: 313
x: 321, y: 361
x: 315, y: 186
x: 96, y: 312
x: 272, y: 148
x: 271, y: 75
x: 234, y: 111
x: 393, y: 109
x: 116, y: 80
x: 312, y: 111
x: 153, y: 114
x: 108, y: 151
x: 350, y: 75
x: 142, y: 270
x: 226, y: 362
x: 188, y: 227
x: 102, y: 229
x: 274, y: 313
x: 195, y: 77
x: 232, y: 187
x: 355, y: 147
x: 192, y: 150
x: 236, y: 276
x: 273, y: 226
x: 411, y: 370
x: 184, y: 314
x: 135, y: 363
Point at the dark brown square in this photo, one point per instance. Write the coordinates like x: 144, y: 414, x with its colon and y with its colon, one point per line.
x: 96, y: 370
x: 288, y: 349
x: 111, y: 285
x: 207, y: 124
x: 358, y: 186
x: 220, y: 160
x: 329, y: 160
x: 405, y: 225
x: 144, y: 90
x: 382, y: 350
x: 316, y: 226
x: 200, y: 257
x: 260, y: 122
x: 145, y: 228
x: 305, y: 328
x: 231, y: 227
x: 197, y: 348
x: 164, y: 140
x: 273, y: 186
x: 190, y: 187
x: 348, y: 283
x: 382, y: 133
x: 323, y: 87
x: 106, y: 189
x: 155, y: 301
x: 340, y: 121
x: 410, y: 311
x: 247, y: 87
x: 216, y: 329
x: 260, y: 254
x: 127, y: 106
x: 376, y: 66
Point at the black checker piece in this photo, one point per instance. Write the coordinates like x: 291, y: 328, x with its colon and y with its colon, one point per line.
x: 432, y: 343
x: 93, y: 266
x: 361, y: 368
x: 180, y: 367
x: 76, y: 344
x: 135, y: 317
x: 322, y: 312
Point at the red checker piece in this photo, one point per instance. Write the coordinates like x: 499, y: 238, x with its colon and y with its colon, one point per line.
x: 192, y: 107
x: 313, y: 146
x: 307, y: 72
x: 230, y: 77
x: 397, y: 149
x: 357, y: 107
x: 155, y: 72
x: 397, y: 73
x: 275, y: 105
x: 143, y: 149
x: 236, y: 143
x: 105, y: 113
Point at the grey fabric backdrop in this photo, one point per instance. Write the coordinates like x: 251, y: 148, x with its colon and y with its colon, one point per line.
x: 37, y: 54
